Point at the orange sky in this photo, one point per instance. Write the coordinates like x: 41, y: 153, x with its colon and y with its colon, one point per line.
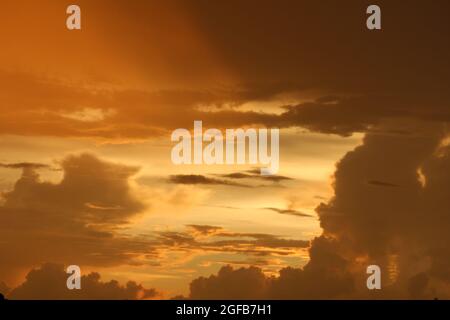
x: 85, y: 122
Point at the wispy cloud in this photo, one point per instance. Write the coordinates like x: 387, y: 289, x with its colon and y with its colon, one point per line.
x: 291, y: 212
x: 201, y: 179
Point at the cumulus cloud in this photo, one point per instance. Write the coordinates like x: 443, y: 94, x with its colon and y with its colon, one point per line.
x: 83, y: 216
x: 243, y: 283
x: 325, y: 277
x: 48, y: 282
x: 87, y: 180
x: 403, y: 229
x: 77, y: 217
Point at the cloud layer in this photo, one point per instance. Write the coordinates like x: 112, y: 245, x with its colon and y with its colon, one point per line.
x: 339, y: 78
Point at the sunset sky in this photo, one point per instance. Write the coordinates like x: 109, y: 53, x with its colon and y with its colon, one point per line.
x: 86, y: 176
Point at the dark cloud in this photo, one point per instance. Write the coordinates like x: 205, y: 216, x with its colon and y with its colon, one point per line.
x: 24, y: 165
x: 200, y: 179
x: 317, y: 282
x: 323, y: 278
x: 49, y: 283
x: 349, y: 112
x: 236, y: 175
x: 243, y: 283
x: 291, y: 212
x: 256, y: 262
x: 400, y: 72
x: 403, y: 230
x: 254, y: 174
x: 87, y: 180
x: 84, y: 214
x: 43, y: 221
x: 260, y: 240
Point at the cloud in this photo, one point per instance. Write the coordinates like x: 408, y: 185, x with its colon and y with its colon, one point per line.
x: 320, y: 279
x: 254, y: 174
x: 376, y: 83
x: 24, y: 165
x: 87, y: 180
x: 395, y: 228
x: 243, y: 283
x: 217, y: 239
x: 85, y: 216
x: 347, y: 112
x: 205, y: 230
x: 353, y: 92
x: 81, y: 216
x: 403, y: 230
x: 200, y: 179
x: 291, y: 212
x: 259, y: 240
x: 291, y: 283
x: 48, y: 282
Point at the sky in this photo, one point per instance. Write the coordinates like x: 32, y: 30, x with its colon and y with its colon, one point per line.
x: 86, y: 176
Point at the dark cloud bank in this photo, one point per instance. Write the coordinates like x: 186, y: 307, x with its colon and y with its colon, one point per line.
x: 390, y: 206
x: 49, y: 283
x: 403, y: 229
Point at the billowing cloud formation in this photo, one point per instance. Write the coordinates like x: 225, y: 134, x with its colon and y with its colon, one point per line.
x: 401, y: 229
x: 324, y: 277
x: 88, y: 183
x: 77, y: 217
x: 243, y: 283
x: 49, y: 283
x: 82, y: 218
